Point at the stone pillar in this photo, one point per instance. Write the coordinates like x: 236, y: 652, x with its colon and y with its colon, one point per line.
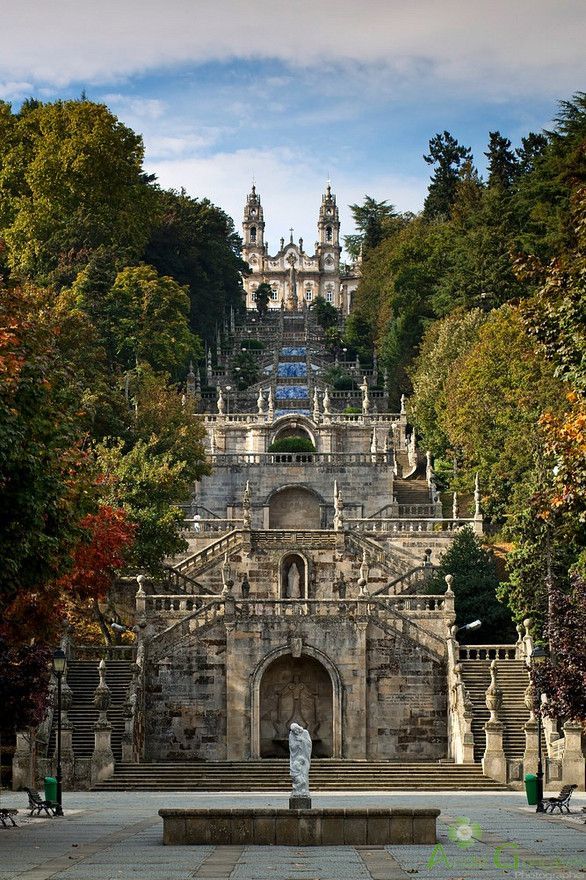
x: 573, y: 758
x: 67, y: 755
x: 357, y: 725
x: 237, y: 729
x: 494, y: 763
x: 531, y: 753
x: 102, y: 765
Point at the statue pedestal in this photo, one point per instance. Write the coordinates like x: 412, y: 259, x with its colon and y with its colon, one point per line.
x: 300, y: 802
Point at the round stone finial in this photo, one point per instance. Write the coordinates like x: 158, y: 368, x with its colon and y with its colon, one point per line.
x: 449, y: 579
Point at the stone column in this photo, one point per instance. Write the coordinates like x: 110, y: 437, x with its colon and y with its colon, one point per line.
x: 531, y: 753
x: 102, y: 766
x: 494, y: 763
x: 573, y: 758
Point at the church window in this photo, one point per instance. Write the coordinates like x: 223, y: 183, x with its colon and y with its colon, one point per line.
x: 274, y: 292
x: 328, y: 233
x: 308, y: 294
x: 253, y: 233
x: 329, y: 293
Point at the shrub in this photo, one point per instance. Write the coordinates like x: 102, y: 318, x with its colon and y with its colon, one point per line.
x: 292, y: 444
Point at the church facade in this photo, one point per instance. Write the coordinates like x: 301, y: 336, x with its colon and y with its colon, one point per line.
x: 296, y: 276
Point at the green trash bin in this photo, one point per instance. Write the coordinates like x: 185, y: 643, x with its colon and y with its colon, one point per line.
x: 51, y: 789
x: 531, y: 789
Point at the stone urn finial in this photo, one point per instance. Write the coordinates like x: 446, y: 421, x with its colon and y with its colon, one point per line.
x: 494, y: 694
x: 449, y: 579
x: 529, y: 700
x: 102, y: 695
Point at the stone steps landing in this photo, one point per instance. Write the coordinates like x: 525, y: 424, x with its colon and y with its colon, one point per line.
x: 273, y: 775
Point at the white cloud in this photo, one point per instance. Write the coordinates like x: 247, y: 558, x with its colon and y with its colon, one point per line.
x: 290, y: 186
x: 15, y: 91
x: 495, y: 46
x: 135, y: 107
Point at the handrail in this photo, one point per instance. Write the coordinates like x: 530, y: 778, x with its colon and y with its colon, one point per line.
x: 205, y: 554
x: 422, y: 570
x: 488, y: 652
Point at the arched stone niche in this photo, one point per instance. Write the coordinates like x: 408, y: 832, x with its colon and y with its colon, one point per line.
x: 306, y: 689
x: 294, y: 576
x: 294, y: 507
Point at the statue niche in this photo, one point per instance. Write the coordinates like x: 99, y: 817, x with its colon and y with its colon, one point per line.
x: 295, y: 690
x: 293, y: 577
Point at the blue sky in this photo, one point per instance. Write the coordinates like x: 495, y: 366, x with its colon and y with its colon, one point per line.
x: 294, y: 92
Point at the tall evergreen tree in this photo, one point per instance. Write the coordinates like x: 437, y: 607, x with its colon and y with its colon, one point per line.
x: 448, y: 156
x: 503, y: 166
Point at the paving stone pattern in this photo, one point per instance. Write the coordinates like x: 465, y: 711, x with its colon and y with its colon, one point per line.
x: 117, y: 836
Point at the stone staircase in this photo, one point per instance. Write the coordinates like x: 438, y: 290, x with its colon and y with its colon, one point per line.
x: 83, y: 679
x: 326, y: 774
x: 412, y: 492
x: 513, y: 679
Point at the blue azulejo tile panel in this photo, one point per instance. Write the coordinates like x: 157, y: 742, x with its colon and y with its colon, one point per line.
x: 292, y: 351
x: 291, y: 392
x: 297, y: 369
x: 291, y: 412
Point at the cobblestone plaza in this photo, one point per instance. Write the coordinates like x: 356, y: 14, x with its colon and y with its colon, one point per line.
x: 118, y: 836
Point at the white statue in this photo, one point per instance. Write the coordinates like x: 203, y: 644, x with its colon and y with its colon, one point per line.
x: 299, y: 759
x: 293, y: 582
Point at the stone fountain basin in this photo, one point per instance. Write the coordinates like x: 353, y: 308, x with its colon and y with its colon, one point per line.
x: 283, y: 827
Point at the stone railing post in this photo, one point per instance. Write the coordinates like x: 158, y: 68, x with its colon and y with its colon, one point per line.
x: 494, y: 763
x: 140, y: 600
x: 102, y: 765
x: 531, y: 753
x: 527, y: 641
x: 573, y: 757
x: 460, y: 711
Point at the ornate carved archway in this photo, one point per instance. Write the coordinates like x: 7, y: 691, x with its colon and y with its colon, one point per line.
x: 295, y: 698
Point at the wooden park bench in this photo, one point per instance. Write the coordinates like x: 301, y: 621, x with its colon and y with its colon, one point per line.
x: 36, y: 803
x: 6, y: 814
x: 561, y: 801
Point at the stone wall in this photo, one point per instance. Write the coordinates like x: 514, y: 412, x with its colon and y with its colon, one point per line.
x: 185, y: 701
x: 378, y: 693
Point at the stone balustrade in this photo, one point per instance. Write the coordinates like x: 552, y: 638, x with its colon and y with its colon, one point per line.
x: 335, y: 418
x: 362, y: 606
x: 488, y: 652
x: 412, y: 524
x: 268, y: 459
x: 102, y: 652
x: 216, y: 525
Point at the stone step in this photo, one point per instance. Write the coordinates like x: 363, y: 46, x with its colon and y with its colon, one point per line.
x: 326, y: 774
x: 83, y: 678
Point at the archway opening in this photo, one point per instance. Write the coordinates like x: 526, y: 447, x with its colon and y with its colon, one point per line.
x: 294, y: 507
x: 296, y: 689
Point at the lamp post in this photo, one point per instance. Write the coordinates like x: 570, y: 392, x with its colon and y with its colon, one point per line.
x: 59, y: 665
x: 538, y: 656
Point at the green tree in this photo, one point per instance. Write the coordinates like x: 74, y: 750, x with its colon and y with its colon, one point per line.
x: 71, y: 181
x: 498, y: 390
x: 326, y: 314
x: 147, y: 319
x: 475, y: 587
x: 503, y: 165
x: 262, y: 297
x: 374, y: 221
x: 448, y: 156
x: 147, y: 484
x: 196, y: 244
x: 44, y: 478
x: 443, y: 343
